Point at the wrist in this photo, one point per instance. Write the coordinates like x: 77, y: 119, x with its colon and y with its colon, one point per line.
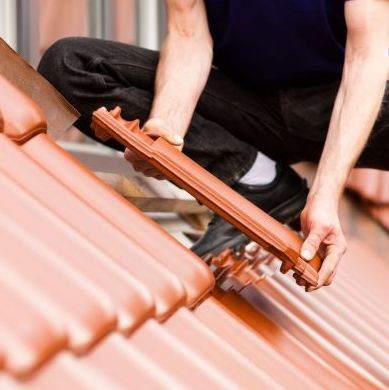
x: 327, y: 186
x: 324, y: 195
x: 170, y: 125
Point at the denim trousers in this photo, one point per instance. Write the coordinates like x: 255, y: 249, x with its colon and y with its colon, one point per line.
x: 231, y: 122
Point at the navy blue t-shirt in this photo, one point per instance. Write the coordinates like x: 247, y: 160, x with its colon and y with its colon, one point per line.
x: 278, y: 43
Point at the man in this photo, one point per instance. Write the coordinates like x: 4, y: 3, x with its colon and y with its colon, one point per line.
x: 292, y: 80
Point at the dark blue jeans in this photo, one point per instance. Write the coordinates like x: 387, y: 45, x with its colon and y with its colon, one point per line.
x: 230, y: 123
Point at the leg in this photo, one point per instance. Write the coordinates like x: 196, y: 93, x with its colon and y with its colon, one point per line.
x: 229, y: 125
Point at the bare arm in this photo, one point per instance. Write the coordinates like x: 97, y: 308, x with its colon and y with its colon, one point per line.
x: 183, y: 69
x: 184, y: 65
x: 357, y: 105
x: 360, y: 94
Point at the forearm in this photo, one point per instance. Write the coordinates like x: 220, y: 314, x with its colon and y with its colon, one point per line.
x: 182, y: 73
x: 355, y: 111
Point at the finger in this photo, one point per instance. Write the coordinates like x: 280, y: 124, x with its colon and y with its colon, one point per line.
x: 161, y: 131
x: 151, y: 172
x: 303, y: 222
x: 336, y: 254
x: 132, y: 157
x: 328, y: 268
x: 160, y: 177
x: 312, y: 244
x: 140, y: 166
x: 129, y: 155
x: 331, y: 277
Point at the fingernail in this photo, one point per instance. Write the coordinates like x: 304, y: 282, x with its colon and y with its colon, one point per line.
x: 178, y: 139
x: 307, y: 254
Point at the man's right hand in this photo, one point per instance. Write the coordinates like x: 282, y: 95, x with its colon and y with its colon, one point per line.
x: 154, y: 127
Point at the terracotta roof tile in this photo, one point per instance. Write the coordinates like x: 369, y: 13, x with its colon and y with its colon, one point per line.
x: 29, y: 332
x: 250, y: 344
x: 196, y: 278
x: 77, y: 301
x: 285, y: 341
x: 167, y: 290
x: 132, y: 301
x: 252, y: 221
x: 95, y: 295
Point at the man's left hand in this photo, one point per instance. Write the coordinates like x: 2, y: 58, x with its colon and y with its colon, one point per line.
x: 323, y: 235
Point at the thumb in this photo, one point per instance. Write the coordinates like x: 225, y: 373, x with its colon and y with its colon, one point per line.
x: 157, y: 128
x: 312, y: 244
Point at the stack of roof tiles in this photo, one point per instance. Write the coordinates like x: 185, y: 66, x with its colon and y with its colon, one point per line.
x: 94, y: 295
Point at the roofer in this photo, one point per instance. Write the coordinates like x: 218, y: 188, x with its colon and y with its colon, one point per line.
x: 296, y: 80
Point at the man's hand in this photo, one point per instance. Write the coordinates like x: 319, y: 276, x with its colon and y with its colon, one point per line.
x: 154, y: 127
x: 321, y: 227
x: 353, y: 117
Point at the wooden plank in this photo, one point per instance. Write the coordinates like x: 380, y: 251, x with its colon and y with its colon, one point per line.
x: 152, y: 198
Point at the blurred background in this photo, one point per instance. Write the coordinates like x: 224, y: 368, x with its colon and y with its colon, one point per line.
x: 31, y: 26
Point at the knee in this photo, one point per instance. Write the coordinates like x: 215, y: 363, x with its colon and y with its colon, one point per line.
x: 60, y: 58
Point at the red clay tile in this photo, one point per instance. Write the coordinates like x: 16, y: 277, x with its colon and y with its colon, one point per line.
x: 336, y: 311
x: 377, y: 318
x: 367, y: 269
x: 259, y: 226
x: 131, y: 301
x: 65, y: 372
x: 130, y: 367
x: 19, y: 124
x: 186, y: 364
x: 167, y: 290
x: 214, y: 349
x: 195, y: 276
x: 286, y: 343
x: 360, y: 349
x: 84, y: 309
x: 196, y: 348
x: 29, y: 333
x: 112, y: 364
x: 234, y: 331
x: 58, y: 113
x: 72, y: 249
x: 311, y: 338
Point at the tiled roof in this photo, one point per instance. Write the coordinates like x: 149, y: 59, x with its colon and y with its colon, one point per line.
x: 94, y: 295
